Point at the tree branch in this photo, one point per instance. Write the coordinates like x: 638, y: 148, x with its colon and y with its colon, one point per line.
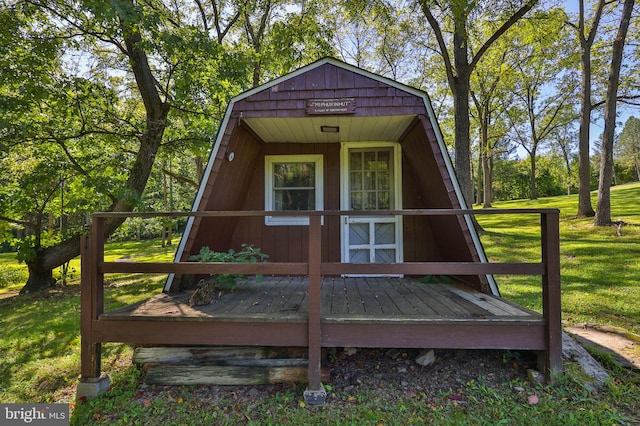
x: 435, y: 26
x: 181, y: 178
x: 503, y: 28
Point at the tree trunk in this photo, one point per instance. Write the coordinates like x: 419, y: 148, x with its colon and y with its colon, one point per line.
x: 532, y: 181
x: 40, y: 277
x: 480, y: 179
x: 584, y: 165
x: 484, y: 168
x: 460, y: 90
x: 487, y: 180
x: 603, y: 207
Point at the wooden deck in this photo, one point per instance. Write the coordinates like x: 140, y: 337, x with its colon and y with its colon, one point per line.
x: 301, y: 305
x: 354, y: 312
x: 375, y: 300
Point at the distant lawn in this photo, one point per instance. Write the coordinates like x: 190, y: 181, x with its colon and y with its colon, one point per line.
x: 600, y: 271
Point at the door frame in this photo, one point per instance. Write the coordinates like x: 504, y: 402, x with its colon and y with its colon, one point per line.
x: 345, y: 192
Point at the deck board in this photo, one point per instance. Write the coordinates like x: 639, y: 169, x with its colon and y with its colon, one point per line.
x: 338, y: 298
x: 387, y: 304
x: 375, y: 299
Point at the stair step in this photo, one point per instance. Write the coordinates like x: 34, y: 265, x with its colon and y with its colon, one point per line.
x: 200, y: 354
x: 272, y: 372
x: 198, y: 365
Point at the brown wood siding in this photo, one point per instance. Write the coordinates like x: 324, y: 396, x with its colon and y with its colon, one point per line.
x: 228, y: 182
x: 290, y: 243
x: 288, y: 98
x: 427, y: 184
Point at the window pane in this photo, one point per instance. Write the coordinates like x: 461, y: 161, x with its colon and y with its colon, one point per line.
x: 384, y: 160
x: 369, y: 180
x: 356, y: 161
x: 356, y: 201
x: 294, y: 199
x: 384, y: 201
x: 356, y: 181
x: 370, y: 160
x: 293, y: 175
x: 370, y: 201
x: 383, y: 181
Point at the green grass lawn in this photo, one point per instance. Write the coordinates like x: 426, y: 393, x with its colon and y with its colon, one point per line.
x: 40, y: 343
x: 600, y: 271
x: 40, y: 340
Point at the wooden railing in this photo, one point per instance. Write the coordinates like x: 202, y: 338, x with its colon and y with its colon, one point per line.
x: 94, y: 267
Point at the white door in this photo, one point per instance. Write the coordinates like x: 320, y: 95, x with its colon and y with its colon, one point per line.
x: 371, y: 181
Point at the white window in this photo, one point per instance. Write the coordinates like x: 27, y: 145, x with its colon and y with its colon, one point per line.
x: 292, y: 183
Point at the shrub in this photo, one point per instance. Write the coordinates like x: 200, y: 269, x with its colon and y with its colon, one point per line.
x: 12, y: 274
x: 248, y: 254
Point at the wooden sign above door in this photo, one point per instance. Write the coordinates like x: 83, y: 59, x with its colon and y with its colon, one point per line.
x: 331, y: 106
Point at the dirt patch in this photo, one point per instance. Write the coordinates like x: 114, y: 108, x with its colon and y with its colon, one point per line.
x: 9, y: 294
x: 392, y: 374
x: 624, y: 346
x: 386, y: 375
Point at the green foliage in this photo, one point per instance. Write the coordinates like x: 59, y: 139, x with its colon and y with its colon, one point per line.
x: 627, y: 152
x: 427, y: 279
x: 511, y: 181
x: 475, y: 402
x: 248, y: 254
x: 11, y: 274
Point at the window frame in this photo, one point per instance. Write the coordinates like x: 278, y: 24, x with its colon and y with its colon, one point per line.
x: 269, y: 199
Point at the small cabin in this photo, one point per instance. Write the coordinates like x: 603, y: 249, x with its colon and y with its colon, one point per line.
x: 331, y: 136
x: 343, y: 179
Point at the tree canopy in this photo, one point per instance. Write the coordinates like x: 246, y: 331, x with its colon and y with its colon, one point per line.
x: 100, y: 99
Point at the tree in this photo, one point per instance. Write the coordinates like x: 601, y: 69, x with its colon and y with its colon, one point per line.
x: 566, y: 139
x: 488, y: 86
x: 523, y: 61
x: 542, y: 94
x: 124, y: 34
x: 586, y: 38
x: 135, y: 81
x: 603, y: 207
x: 460, y: 58
x: 627, y: 149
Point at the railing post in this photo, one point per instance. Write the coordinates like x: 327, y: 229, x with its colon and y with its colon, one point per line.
x: 92, y: 383
x: 89, y: 353
x: 551, y: 298
x: 315, y: 393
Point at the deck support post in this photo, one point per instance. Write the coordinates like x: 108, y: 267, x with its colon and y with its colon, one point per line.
x: 315, y: 393
x: 92, y: 382
x: 551, y: 295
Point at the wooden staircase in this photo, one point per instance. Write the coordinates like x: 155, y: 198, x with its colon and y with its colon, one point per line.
x: 208, y: 365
